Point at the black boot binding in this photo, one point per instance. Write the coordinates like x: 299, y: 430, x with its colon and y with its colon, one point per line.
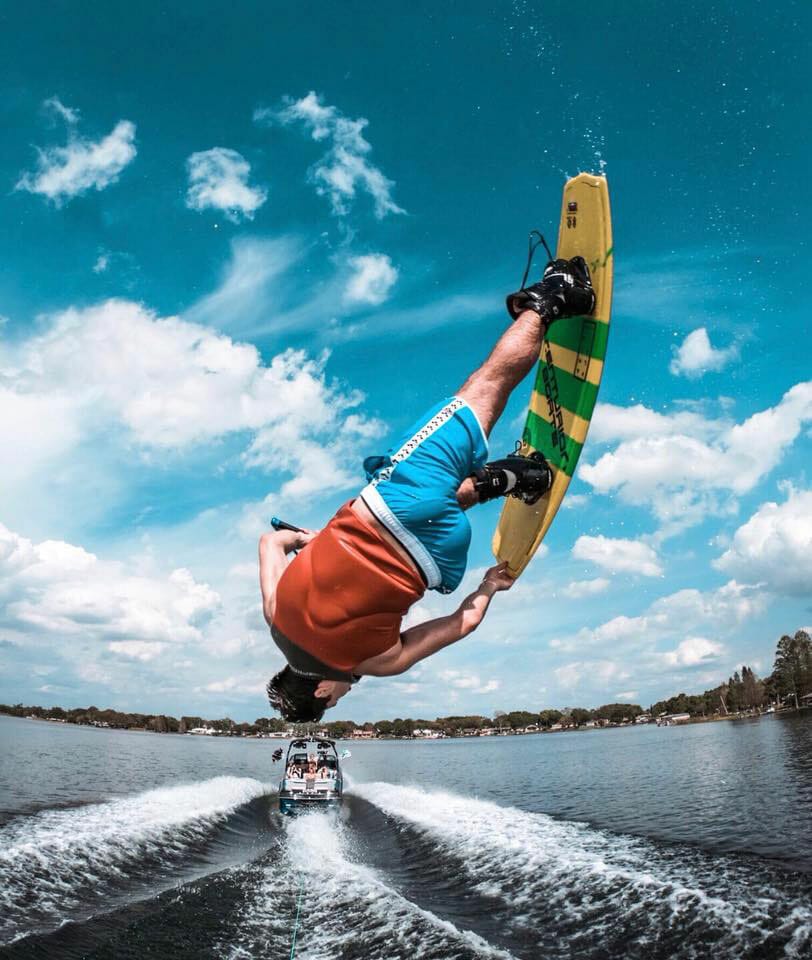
x: 527, y: 478
x: 565, y: 289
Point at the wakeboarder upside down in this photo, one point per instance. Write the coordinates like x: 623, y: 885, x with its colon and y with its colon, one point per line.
x: 335, y: 610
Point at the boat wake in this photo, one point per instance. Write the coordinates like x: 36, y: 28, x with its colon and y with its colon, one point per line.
x: 62, y: 864
x: 211, y: 869
x: 568, y: 888
x: 346, y: 909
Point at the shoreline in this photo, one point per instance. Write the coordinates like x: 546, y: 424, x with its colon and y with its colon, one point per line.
x: 292, y: 734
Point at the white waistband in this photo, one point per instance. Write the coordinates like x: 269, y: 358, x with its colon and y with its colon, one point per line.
x: 408, y: 540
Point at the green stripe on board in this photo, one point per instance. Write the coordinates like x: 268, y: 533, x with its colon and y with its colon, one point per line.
x: 567, y: 333
x: 568, y: 391
x: 562, y: 452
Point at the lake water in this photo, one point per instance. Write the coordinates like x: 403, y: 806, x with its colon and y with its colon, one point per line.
x: 675, y: 842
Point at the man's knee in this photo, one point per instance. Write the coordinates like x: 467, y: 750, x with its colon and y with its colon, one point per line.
x: 485, y: 399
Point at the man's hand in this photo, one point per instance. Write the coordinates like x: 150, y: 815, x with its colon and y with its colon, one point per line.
x: 274, y: 546
x: 302, y: 538
x: 288, y: 540
x: 499, y: 577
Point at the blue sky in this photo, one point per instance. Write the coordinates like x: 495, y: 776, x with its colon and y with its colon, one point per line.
x: 244, y: 248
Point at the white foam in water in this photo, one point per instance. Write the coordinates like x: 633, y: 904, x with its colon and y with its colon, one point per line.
x: 588, y: 879
x: 49, y: 861
x: 347, y: 909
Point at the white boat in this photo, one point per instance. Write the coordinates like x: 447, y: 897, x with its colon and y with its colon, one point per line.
x: 312, y: 778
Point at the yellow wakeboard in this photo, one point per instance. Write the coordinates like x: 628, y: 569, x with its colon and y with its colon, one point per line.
x: 568, y: 375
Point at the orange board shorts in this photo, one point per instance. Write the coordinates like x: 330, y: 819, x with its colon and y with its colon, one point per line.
x: 342, y: 599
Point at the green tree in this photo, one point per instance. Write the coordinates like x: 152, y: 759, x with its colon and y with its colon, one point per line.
x: 339, y: 729
x: 518, y: 719
x: 549, y: 717
x: 402, y: 728
x: 580, y: 716
x: 793, y: 666
x: 618, y: 712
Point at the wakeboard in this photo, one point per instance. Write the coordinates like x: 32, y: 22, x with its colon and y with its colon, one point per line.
x: 569, y: 373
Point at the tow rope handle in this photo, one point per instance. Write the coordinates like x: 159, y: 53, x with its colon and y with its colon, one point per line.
x: 278, y: 525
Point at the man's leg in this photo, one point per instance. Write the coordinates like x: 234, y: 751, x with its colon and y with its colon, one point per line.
x: 487, y: 390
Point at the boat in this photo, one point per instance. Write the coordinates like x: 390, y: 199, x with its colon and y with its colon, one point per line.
x: 312, y: 779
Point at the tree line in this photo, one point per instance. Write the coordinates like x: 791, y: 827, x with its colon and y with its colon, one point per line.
x: 788, y: 684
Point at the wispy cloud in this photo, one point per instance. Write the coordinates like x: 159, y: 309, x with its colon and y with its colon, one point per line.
x: 251, y: 295
x: 65, y: 172
x: 577, y: 589
x: 218, y: 180
x: 345, y: 169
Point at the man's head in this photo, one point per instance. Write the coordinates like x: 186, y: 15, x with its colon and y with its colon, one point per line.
x: 294, y: 696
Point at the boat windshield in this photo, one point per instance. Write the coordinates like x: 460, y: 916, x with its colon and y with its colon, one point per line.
x: 305, y: 762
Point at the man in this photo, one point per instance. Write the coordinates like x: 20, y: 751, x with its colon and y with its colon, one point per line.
x: 335, y: 611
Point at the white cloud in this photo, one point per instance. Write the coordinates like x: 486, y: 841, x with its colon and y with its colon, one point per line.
x: 775, y: 546
x: 117, y: 375
x: 618, y: 555
x: 570, y: 675
x: 58, y: 589
x: 143, y: 650
x: 585, y: 588
x: 684, y: 466
x: 670, y: 618
x: 573, y: 501
x: 218, y: 179
x: 82, y: 164
x: 345, y: 168
x: 693, y: 652
x: 470, y: 682
x: 696, y: 356
x: 626, y: 696
x: 102, y: 263
x: 373, y: 278
x: 249, y: 686
x: 665, y: 648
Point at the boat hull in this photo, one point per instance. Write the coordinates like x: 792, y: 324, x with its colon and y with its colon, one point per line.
x: 291, y: 806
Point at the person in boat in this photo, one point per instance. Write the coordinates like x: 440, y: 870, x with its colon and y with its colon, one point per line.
x: 310, y: 771
x: 335, y: 610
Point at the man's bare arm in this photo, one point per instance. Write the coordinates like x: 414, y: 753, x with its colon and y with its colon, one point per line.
x: 427, y: 638
x: 273, y: 550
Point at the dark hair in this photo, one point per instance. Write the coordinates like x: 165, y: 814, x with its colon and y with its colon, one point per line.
x: 294, y: 696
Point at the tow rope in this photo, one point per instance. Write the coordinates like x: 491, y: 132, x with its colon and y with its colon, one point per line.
x: 296, y: 921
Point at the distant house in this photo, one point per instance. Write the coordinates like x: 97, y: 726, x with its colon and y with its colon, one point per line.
x: 643, y: 718
x: 487, y: 731
x: 424, y: 733
x: 557, y: 726
x: 363, y: 734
